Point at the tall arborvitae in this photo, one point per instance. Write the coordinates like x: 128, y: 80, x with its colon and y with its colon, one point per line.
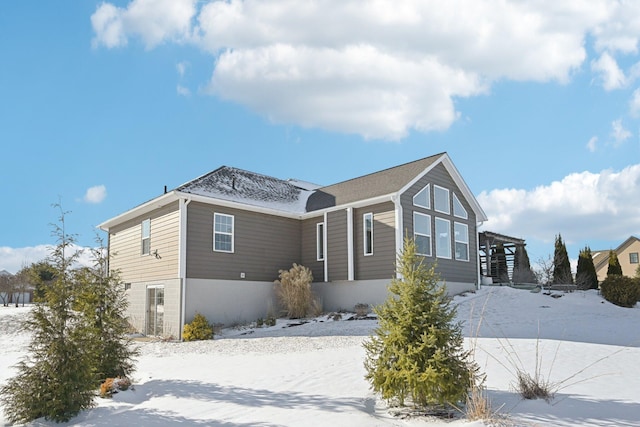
x: 561, y: 264
x: 586, y: 276
x: 417, y: 351
x: 56, y: 379
x: 101, y: 299
x: 522, y: 272
x: 614, y: 265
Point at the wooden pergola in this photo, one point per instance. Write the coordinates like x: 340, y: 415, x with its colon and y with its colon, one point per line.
x: 492, y: 263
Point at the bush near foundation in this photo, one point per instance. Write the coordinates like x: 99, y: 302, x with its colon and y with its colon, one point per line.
x: 621, y: 290
x: 294, y: 291
x: 199, y: 329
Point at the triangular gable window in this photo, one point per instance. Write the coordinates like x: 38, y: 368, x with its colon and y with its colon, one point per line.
x: 458, y: 209
x: 422, y: 198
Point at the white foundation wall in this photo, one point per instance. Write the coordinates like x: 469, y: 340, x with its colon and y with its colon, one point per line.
x: 229, y: 302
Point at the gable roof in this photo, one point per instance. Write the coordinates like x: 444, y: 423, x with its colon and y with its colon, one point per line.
x: 601, y: 258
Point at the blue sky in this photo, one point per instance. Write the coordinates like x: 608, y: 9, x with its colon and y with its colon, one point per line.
x: 105, y: 103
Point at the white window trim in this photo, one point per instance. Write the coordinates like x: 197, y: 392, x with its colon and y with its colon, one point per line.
x: 364, y: 233
x: 232, y: 234
x: 455, y: 240
x: 320, y: 241
x: 423, y: 234
x: 426, y: 188
x: 437, y: 239
x: 143, y: 238
x: 448, y: 211
x: 457, y: 200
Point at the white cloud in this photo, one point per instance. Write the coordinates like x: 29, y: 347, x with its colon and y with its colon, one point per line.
x: 618, y: 133
x: 95, y: 194
x: 382, y: 70
x: 634, y: 104
x: 582, y: 207
x: 183, y: 91
x: 592, y: 144
x: 154, y: 21
x: 13, y: 259
x: 181, y: 68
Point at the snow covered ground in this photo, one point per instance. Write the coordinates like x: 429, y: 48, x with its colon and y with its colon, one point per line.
x: 313, y: 375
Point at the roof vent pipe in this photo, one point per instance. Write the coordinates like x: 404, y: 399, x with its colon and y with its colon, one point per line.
x: 165, y: 189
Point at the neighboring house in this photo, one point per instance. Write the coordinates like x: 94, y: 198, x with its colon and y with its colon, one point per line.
x: 627, y: 253
x: 215, y: 244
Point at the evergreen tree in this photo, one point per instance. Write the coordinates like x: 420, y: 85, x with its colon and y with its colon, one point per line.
x: 614, y: 265
x: 417, y: 350
x: 522, y: 272
x: 56, y: 379
x: 102, y: 302
x: 586, y: 276
x: 561, y: 264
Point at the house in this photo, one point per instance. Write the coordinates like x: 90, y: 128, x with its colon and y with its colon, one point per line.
x: 627, y: 254
x: 215, y: 244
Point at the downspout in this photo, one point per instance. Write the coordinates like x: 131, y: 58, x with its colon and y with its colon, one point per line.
x: 182, y: 263
x: 399, y: 225
x: 326, y: 251
x: 350, y: 266
x: 478, y: 266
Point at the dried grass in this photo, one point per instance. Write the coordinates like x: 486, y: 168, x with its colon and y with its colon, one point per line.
x: 294, y: 291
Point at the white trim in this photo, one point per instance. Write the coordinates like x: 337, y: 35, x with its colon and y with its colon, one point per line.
x: 435, y: 202
x: 364, y: 234
x: 326, y: 251
x: 399, y: 222
x: 430, y: 235
x: 232, y: 234
x: 350, y: 251
x: 182, y: 259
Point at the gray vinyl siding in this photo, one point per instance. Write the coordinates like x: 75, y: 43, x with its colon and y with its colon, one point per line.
x: 309, y: 247
x: 125, y: 247
x: 381, y: 264
x: 451, y: 270
x: 337, y: 254
x: 263, y: 244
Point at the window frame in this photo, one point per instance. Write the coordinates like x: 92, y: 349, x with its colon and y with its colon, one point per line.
x: 224, y: 233
x: 427, y: 189
x: 320, y: 241
x: 145, y: 237
x: 457, y: 202
x: 417, y: 233
x: 367, y: 235
x: 632, y: 259
x: 435, y: 200
x: 456, y: 241
x: 438, y: 238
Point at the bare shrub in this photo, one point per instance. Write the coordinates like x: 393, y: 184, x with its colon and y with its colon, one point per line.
x: 294, y: 290
x: 362, y: 310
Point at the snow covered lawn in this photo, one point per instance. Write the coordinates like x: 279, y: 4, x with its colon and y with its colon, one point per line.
x: 313, y: 374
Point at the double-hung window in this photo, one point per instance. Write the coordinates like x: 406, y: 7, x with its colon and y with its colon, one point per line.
x: 461, y: 237
x: 367, y: 225
x: 222, y: 232
x: 320, y: 241
x: 146, y: 237
x: 443, y: 238
x: 422, y: 233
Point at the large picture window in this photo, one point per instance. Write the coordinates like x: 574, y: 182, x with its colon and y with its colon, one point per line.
x: 422, y: 233
x: 421, y: 199
x: 441, y: 199
x: 146, y: 237
x: 222, y: 232
x: 320, y: 241
x: 461, y: 238
x: 368, y: 233
x: 443, y: 238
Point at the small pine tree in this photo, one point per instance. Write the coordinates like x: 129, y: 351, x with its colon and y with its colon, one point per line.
x: 417, y: 351
x: 522, y: 272
x: 56, y: 379
x: 561, y: 264
x: 101, y: 299
x: 586, y: 276
x: 614, y: 265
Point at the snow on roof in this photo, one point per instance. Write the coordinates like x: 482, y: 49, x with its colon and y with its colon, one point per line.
x: 237, y: 185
